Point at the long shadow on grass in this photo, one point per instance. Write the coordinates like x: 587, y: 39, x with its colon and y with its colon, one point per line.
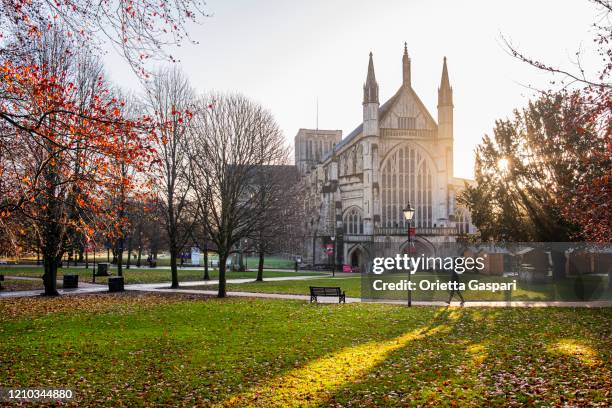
x: 491, y: 358
x: 431, y: 370
x: 311, y: 383
x: 198, y: 352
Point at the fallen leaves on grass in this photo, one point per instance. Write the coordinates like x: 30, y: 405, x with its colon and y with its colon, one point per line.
x: 14, y: 308
x: 152, y: 350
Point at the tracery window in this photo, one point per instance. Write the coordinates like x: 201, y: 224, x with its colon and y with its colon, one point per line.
x: 406, y: 177
x: 353, y: 221
x: 359, y: 161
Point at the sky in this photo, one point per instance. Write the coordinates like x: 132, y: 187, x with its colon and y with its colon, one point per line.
x: 287, y: 54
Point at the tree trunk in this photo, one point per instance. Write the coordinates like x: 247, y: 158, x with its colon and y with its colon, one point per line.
x: 173, y: 268
x: 129, y: 251
x: 206, y: 275
x: 50, y: 275
x: 222, y: 263
x: 260, y: 267
x: 139, y: 256
x: 119, y: 257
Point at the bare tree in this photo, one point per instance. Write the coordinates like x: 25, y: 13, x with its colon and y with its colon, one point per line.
x: 233, y: 138
x: 170, y: 99
x: 593, y: 80
x: 124, y: 192
x: 275, y: 189
x: 139, y: 31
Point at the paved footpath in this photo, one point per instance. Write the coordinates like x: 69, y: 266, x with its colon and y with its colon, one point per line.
x: 162, y: 287
x: 601, y: 303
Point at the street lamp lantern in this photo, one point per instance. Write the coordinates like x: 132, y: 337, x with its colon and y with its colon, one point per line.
x: 408, y: 212
x: 409, y: 215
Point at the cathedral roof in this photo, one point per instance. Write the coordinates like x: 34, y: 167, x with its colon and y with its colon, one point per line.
x: 382, y: 111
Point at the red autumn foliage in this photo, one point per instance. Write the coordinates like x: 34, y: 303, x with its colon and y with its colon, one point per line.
x: 59, y: 158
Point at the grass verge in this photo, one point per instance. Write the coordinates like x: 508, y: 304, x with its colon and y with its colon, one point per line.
x: 134, y: 350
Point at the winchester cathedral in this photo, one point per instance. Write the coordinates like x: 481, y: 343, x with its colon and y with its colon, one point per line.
x: 356, y: 186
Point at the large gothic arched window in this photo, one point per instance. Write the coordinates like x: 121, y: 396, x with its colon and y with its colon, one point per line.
x: 353, y: 222
x: 406, y: 177
x: 359, y: 161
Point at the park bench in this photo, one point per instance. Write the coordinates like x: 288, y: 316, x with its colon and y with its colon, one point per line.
x: 316, y: 291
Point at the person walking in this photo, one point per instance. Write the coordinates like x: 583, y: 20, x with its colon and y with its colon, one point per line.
x: 455, y: 288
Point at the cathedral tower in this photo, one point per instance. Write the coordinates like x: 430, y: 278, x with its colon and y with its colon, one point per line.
x: 370, y: 134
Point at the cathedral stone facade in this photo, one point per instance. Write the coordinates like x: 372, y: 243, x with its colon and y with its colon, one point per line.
x: 356, y: 186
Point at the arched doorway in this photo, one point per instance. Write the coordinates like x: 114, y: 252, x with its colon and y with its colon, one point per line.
x: 357, y: 259
x: 419, y: 247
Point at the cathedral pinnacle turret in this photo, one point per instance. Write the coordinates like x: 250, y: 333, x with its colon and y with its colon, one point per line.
x: 445, y: 91
x: 406, y: 66
x: 370, y: 89
x: 445, y: 106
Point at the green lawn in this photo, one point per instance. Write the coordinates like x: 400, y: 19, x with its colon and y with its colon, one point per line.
x: 351, y: 285
x: 135, y: 275
x: 270, y: 262
x: 134, y: 350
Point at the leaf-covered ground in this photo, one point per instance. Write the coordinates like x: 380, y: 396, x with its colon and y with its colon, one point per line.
x: 131, y: 350
x: 11, y: 285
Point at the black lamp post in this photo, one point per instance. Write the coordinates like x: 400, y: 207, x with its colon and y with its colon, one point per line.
x: 246, y: 260
x: 409, y: 215
x: 333, y: 239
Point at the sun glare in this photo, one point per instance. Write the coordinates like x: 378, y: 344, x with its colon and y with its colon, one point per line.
x: 503, y: 164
